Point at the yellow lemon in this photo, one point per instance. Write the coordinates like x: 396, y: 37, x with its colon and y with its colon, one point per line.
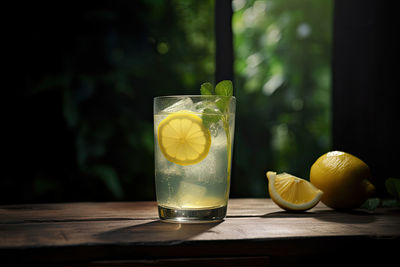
x: 292, y: 193
x: 183, y: 139
x: 344, y: 178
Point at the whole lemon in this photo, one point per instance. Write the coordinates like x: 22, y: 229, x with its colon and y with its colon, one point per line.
x: 344, y: 179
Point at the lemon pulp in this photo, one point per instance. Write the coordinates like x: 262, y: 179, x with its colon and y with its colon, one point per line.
x: 183, y: 139
x: 292, y: 193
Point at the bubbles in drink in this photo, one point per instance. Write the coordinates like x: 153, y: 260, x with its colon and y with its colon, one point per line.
x: 198, y: 186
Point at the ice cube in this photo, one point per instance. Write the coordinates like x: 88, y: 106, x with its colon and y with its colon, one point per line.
x: 207, y: 104
x: 216, y: 130
x: 183, y: 104
x: 219, y: 138
x: 189, y: 194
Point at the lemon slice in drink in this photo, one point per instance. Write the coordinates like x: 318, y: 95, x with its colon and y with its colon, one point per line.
x: 183, y: 139
x: 292, y: 193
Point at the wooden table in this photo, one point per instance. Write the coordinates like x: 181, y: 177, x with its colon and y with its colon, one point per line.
x: 255, y: 233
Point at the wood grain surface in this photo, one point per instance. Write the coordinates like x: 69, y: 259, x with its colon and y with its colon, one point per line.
x: 131, y: 230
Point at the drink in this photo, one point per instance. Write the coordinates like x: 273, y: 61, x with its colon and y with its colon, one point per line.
x: 193, y: 176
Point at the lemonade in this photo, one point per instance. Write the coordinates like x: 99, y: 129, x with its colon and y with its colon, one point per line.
x: 193, y: 151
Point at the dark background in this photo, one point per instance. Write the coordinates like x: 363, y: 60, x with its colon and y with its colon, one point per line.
x: 82, y: 77
x: 80, y: 80
x: 365, y: 91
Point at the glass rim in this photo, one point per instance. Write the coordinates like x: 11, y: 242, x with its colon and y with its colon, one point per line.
x: 182, y: 96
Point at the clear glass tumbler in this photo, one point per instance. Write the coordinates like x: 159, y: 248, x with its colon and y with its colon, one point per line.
x: 193, y: 137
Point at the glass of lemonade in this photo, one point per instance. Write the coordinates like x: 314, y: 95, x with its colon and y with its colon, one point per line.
x: 193, y: 138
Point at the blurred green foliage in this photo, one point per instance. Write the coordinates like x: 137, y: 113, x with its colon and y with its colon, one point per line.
x: 282, y: 66
x: 81, y: 125
x: 153, y: 48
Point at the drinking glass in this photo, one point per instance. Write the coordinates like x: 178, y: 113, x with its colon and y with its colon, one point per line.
x: 193, y: 138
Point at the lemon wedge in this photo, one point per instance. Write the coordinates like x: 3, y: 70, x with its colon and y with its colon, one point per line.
x: 183, y: 139
x: 292, y: 193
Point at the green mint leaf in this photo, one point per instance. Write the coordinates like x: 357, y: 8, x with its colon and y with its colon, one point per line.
x: 210, y: 116
x: 371, y: 204
x: 222, y: 103
x: 393, y: 187
x: 390, y: 203
x: 224, y: 88
x: 207, y: 89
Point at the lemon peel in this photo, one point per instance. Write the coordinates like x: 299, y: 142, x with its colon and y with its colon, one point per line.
x: 344, y: 178
x: 183, y: 139
x: 292, y: 193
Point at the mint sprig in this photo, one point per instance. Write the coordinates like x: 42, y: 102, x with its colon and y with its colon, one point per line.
x: 223, y: 89
x: 211, y: 116
x: 393, y: 187
x: 207, y: 89
x: 220, y: 113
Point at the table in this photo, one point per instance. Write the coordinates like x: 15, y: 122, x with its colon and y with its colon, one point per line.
x: 255, y: 233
